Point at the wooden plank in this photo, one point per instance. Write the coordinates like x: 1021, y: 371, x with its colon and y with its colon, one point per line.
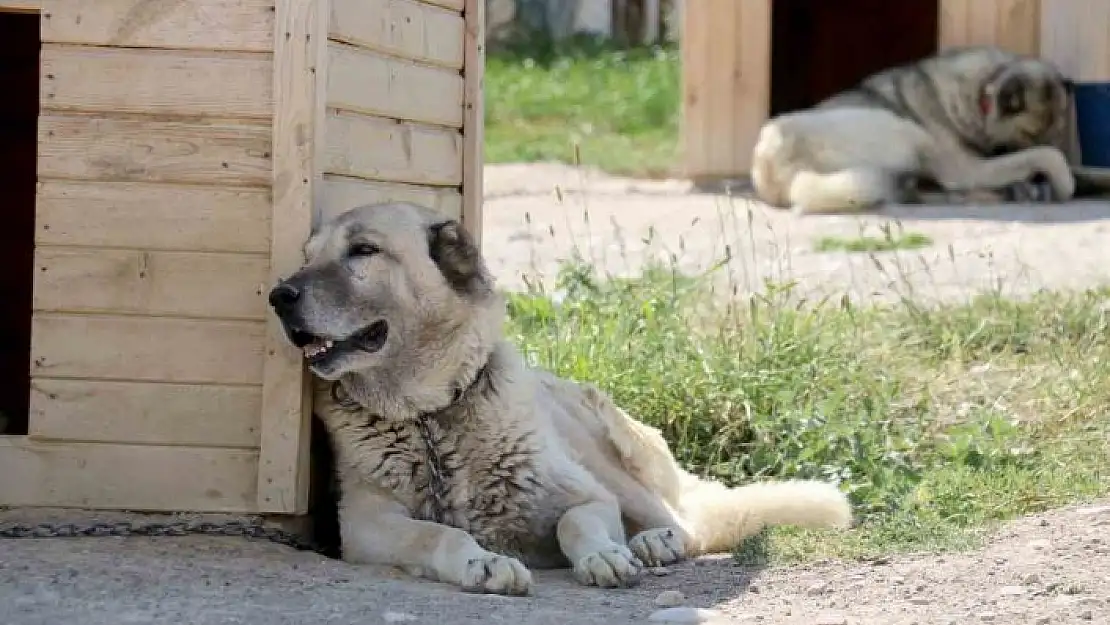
x: 131, y: 477
x: 153, y: 216
x: 403, y: 152
x: 146, y: 150
x: 725, y: 100
x: 367, y: 82
x: 159, y: 82
x: 1075, y: 36
x: 146, y: 413
x: 1018, y: 24
x: 404, y: 28
x: 246, y: 25
x: 1011, y: 24
x: 341, y: 194
x: 155, y: 349
x: 300, y: 67
x: 474, y: 114
x: 19, y: 6
x: 190, y: 284
x: 454, y: 5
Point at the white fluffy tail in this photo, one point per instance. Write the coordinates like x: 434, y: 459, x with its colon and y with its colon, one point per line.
x: 848, y: 190
x: 719, y: 518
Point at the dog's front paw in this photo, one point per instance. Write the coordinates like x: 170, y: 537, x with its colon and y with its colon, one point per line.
x: 658, y: 546
x: 609, y: 568
x: 495, y: 574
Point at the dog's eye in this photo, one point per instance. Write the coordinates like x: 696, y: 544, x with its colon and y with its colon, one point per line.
x: 362, y: 250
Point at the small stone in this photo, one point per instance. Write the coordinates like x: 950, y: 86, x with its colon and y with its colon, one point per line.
x: 1031, y: 578
x: 669, y: 599
x: 1012, y: 591
x: 988, y: 617
x: 1040, y: 544
x: 819, y: 588
x: 898, y: 580
x: 659, y: 571
x: 831, y: 618
x: 1087, y: 615
x: 921, y: 601
x: 684, y: 614
x: 1042, y: 620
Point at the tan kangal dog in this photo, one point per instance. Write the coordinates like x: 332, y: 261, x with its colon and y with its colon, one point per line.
x: 980, y: 123
x: 458, y: 462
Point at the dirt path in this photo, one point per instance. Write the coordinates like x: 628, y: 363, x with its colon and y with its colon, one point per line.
x: 1052, y: 569
x: 1021, y: 247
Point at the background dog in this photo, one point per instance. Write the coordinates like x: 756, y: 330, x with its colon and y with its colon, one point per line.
x: 978, y: 122
x: 458, y: 462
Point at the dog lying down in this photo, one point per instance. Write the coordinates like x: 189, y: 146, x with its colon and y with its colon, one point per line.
x: 459, y: 463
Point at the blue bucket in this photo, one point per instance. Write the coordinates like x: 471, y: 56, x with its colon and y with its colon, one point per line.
x: 1092, y: 116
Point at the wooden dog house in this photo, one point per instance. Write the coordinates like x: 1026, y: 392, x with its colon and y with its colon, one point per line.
x: 164, y: 163
x: 744, y: 61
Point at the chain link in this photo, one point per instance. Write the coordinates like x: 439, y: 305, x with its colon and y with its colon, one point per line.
x: 437, y: 483
x: 247, y: 529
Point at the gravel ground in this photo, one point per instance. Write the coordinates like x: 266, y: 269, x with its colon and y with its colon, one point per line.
x: 1048, y: 569
x: 1017, y: 248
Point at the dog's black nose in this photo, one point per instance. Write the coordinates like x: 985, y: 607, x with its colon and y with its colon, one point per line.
x: 283, y: 296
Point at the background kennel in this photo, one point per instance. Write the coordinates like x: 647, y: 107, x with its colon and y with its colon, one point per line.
x: 162, y: 161
x: 744, y: 61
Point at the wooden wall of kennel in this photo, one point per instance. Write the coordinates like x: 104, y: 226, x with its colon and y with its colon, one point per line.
x: 729, y: 69
x: 184, y: 151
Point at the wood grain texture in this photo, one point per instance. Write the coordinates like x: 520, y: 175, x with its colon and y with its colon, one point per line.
x: 367, y: 82
x: 191, y: 284
x: 300, y: 69
x: 454, y: 5
x: 1075, y: 34
x: 153, y: 216
x: 157, y: 82
x: 403, y: 152
x: 246, y: 25
x: 146, y: 412
x: 154, y: 349
x: 341, y: 194
x: 147, y: 150
x: 130, y: 477
x: 474, y: 118
x: 725, y: 96
x: 405, y: 28
x: 1011, y: 24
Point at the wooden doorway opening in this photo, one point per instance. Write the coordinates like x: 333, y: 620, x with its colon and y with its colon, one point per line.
x: 821, y: 47
x: 19, y: 112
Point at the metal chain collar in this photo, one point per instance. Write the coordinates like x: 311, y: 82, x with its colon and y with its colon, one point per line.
x: 436, y: 484
x: 247, y: 529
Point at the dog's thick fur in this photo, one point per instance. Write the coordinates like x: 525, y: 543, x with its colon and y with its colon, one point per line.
x: 539, y: 471
x: 978, y: 121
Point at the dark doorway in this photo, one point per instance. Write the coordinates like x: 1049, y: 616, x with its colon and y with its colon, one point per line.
x: 19, y: 111
x: 819, y: 47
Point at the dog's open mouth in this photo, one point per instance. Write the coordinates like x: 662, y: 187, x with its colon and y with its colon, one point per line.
x: 318, y: 349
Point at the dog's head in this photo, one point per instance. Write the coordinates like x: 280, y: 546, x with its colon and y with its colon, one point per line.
x: 1026, y: 103
x: 381, y: 285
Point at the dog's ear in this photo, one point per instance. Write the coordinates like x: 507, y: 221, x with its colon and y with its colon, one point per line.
x: 460, y: 261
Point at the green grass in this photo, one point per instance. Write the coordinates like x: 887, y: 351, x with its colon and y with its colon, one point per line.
x: 907, y: 241
x: 938, y: 421
x: 613, y: 109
